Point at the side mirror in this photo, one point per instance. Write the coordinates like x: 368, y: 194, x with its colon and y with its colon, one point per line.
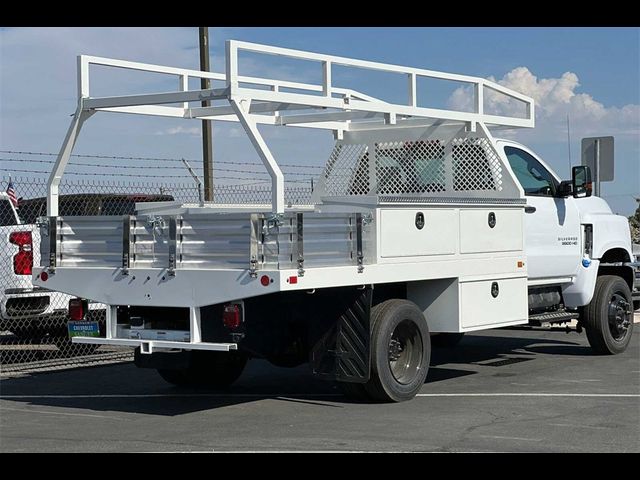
x: 581, y: 181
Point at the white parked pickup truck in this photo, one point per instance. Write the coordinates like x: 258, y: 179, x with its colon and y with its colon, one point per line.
x: 422, y: 227
x: 25, y: 310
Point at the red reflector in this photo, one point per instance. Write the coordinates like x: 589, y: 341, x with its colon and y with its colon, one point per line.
x: 232, y: 316
x: 293, y: 279
x: 23, y: 260
x: 265, y: 280
x: 76, y: 309
x: 44, y: 276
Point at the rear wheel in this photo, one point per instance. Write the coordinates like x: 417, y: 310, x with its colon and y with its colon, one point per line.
x: 207, y: 369
x: 608, y: 319
x: 400, y: 352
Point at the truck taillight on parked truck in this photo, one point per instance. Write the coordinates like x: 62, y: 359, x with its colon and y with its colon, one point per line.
x: 23, y: 260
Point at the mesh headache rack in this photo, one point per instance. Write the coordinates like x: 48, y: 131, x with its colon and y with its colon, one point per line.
x: 451, y: 151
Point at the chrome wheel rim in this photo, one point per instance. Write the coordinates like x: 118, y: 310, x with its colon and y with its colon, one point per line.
x: 405, y: 352
x: 619, y: 316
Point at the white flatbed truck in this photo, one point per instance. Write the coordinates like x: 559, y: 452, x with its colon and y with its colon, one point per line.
x: 422, y: 227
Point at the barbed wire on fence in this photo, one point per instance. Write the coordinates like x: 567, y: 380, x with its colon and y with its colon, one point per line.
x: 156, y: 159
x: 137, y: 167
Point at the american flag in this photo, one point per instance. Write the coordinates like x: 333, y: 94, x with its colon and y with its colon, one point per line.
x: 12, y: 193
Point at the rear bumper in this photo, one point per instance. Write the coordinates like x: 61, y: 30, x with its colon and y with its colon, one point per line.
x: 148, y: 346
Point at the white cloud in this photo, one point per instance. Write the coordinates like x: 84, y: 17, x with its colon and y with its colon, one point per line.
x: 555, y: 98
x: 193, y: 131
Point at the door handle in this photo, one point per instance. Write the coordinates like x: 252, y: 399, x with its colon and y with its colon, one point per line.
x: 529, y: 209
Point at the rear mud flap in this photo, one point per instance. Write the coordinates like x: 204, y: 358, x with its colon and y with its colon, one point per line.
x: 343, y: 352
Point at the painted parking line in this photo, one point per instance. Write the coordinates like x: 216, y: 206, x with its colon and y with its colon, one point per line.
x: 308, y: 395
x: 66, y: 414
x: 595, y: 395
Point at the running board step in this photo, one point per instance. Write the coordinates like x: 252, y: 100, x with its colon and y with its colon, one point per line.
x: 552, y: 317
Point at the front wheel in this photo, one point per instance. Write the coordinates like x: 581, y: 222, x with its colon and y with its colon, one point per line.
x: 207, y: 369
x: 608, y: 319
x: 400, y: 353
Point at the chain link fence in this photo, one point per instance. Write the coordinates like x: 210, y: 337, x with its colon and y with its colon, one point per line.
x: 33, y: 321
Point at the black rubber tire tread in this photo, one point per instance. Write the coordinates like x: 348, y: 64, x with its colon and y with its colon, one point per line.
x: 446, y: 340
x: 208, y: 369
x: 382, y: 387
x: 595, y: 316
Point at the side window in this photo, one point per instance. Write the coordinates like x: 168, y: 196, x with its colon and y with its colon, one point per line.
x: 534, y: 178
x: 7, y: 217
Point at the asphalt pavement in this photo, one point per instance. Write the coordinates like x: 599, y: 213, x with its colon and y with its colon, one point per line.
x: 502, y: 390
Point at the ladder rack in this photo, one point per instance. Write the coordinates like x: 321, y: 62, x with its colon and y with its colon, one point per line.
x: 256, y: 100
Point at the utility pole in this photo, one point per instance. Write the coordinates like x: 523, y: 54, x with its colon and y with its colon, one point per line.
x: 207, y: 125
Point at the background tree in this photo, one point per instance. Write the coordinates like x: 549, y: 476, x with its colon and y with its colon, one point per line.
x: 634, y: 222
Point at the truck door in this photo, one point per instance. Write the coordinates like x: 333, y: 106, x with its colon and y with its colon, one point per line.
x: 552, y: 224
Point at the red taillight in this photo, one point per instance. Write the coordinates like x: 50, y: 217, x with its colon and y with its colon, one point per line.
x: 76, y: 309
x: 23, y: 260
x: 20, y: 238
x: 44, y: 276
x: 232, y: 316
x: 265, y: 280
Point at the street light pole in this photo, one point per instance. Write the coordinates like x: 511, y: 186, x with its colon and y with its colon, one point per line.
x: 207, y: 125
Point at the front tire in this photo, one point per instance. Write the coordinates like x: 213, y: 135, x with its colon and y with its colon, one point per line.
x: 400, y: 353
x: 207, y: 369
x: 608, y: 319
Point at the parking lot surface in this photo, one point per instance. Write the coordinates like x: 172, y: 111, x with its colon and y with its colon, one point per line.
x: 506, y: 390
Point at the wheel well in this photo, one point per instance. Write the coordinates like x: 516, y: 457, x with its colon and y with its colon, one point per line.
x: 617, y: 255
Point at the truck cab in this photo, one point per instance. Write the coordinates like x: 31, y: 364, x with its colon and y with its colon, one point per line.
x: 572, y: 239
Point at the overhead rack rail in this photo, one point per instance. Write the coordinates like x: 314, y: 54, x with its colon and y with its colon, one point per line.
x: 257, y: 100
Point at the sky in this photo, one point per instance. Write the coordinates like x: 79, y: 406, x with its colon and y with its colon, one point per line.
x: 591, y: 75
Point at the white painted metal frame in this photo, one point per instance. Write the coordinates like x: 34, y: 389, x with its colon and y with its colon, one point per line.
x: 148, y: 346
x: 256, y: 100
